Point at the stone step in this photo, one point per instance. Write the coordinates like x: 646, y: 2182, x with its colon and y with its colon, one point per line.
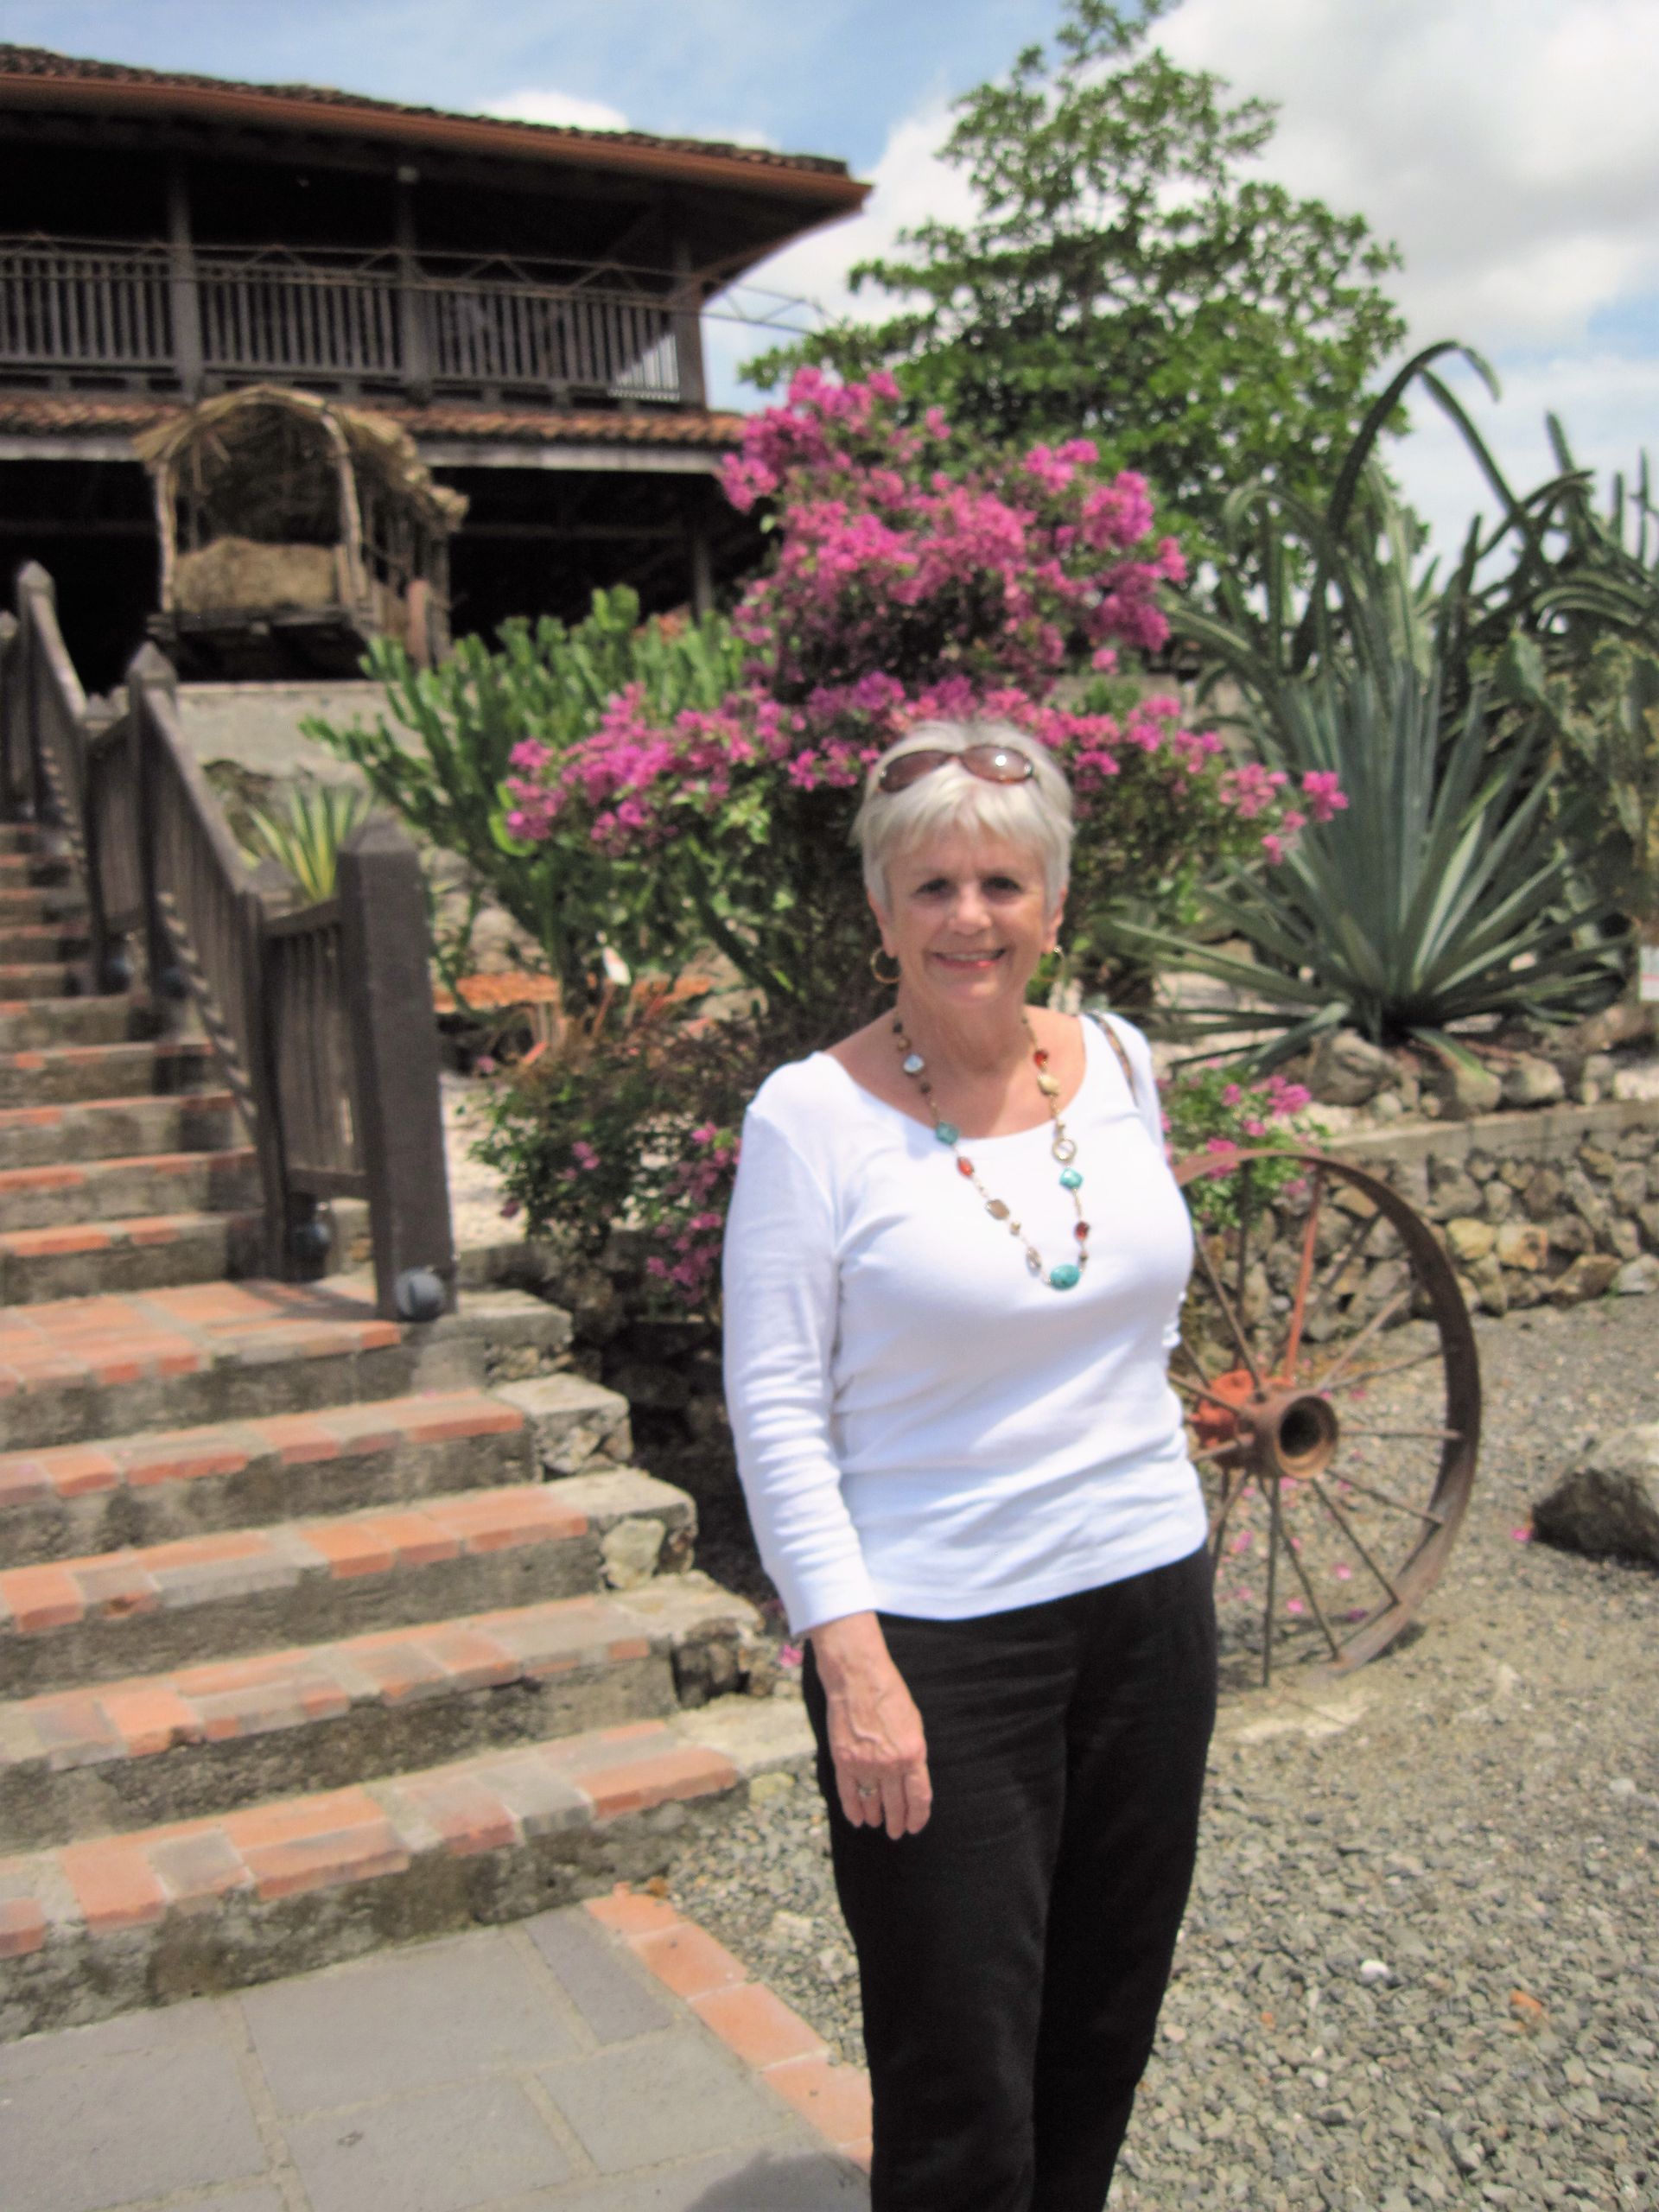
x: 114, y: 1190
x: 34, y: 979
x: 27, y: 903
x: 78, y: 1369
x: 205, y: 1739
x: 20, y: 836
x: 161, y: 1486
x: 35, y: 941
x: 25, y: 870
x: 47, y: 1023
x: 188, y: 1908
x: 69, y: 1622
x: 140, y: 1252
x: 93, y: 1129
x: 154, y: 1067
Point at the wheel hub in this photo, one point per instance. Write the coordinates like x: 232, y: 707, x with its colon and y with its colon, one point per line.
x: 1276, y: 1427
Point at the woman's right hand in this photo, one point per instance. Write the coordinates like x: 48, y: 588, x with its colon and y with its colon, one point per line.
x: 876, y: 1738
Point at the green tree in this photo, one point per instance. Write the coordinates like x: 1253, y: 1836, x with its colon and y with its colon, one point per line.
x: 1126, y: 277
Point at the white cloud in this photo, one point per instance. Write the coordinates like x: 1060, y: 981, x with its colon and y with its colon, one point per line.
x: 543, y: 104
x: 909, y: 185
x: 1506, y: 146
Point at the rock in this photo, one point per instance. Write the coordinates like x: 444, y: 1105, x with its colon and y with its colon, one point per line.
x: 1522, y: 1244
x: 574, y: 1423
x: 1488, y: 1279
x: 1647, y: 1220
x: 1465, y: 1089
x: 1600, y: 1162
x: 631, y: 1549
x: 1625, y: 1238
x: 1500, y: 1199
x: 1566, y: 1233
x: 1454, y: 1193
x: 1346, y: 1069
x: 1585, y: 1200
x: 1533, y: 1082
x: 1541, y: 1194
x: 1470, y: 1240
x: 1608, y: 1505
x: 1372, y: 1972
x: 1630, y: 1184
x: 1589, y: 1274
x: 1637, y: 1277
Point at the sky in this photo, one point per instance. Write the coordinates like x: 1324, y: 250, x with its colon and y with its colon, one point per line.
x: 1507, y: 147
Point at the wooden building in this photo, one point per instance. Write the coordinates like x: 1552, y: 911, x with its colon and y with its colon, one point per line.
x: 525, y: 300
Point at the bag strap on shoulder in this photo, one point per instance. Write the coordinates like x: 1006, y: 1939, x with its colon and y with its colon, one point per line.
x: 1104, y: 1026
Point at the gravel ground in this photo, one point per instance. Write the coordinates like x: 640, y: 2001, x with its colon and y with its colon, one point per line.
x: 1421, y: 1963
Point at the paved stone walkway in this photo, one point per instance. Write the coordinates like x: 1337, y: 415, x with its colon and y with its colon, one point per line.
x: 560, y: 2064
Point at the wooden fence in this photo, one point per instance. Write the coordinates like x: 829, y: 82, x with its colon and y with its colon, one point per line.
x: 320, y: 1018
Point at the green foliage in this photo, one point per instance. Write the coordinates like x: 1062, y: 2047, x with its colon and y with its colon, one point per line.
x: 1213, y: 1109
x: 1442, y: 893
x: 305, y: 835
x: 1126, y: 278
x: 439, y: 755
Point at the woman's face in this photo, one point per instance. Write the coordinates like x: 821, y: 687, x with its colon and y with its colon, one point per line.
x: 968, y: 921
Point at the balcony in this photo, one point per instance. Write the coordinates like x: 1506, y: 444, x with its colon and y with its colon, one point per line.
x: 97, y: 317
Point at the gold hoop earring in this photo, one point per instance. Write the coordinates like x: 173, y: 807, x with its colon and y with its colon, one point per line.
x: 887, y: 981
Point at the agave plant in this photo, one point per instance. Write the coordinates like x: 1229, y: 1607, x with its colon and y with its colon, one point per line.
x: 1443, y: 890
x: 305, y: 837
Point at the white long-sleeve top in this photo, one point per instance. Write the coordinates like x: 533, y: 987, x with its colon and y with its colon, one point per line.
x: 922, y: 1425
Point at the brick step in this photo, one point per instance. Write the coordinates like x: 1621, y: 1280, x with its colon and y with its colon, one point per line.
x: 201, y: 1740
x: 27, y: 903
x: 93, y: 1129
x: 160, y: 1486
x: 194, y: 1907
x: 34, y: 979
x: 20, y: 871
x: 82, y: 1367
x: 140, y: 1252
x: 35, y: 940
x: 20, y: 836
x: 105, y: 1614
x: 153, y: 1067
x: 44, y: 1023
x: 114, y: 1190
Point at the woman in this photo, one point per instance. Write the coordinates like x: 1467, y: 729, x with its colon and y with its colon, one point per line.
x: 954, y: 1266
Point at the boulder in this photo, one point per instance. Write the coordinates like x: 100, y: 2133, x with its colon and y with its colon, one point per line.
x: 1522, y: 1244
x: 1589, y: 1274
x: 1637, y: 1277
x: 1454, y: 1193
x: 1465, y: 1089
x: 1608, y: 1504
x: 1347, y: 1070
x: 1541, y: 1194
x: 1470, y: 1240
x: 1533, y: 1082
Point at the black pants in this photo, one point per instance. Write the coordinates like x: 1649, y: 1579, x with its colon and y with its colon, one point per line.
x: 1013, y: 1955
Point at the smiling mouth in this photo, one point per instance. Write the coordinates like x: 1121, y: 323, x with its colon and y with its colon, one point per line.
x: 969, y: 959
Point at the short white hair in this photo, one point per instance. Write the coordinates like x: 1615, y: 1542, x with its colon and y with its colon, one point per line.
x: 1034, y: 813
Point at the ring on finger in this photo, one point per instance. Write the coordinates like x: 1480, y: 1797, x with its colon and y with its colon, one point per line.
x: 867, y: 1790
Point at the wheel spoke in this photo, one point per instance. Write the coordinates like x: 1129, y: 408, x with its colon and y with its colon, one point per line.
x: 1335, y: 1268
x: 1443, y: 1435
x: 1272, y: 1489
x: 1290, y: 1352
x: 1213, y: 1452
x: 1295, y: 1558
x: 1380, y: 1320
x: 1353, y: 1537
x: 1231, y: 1492
x: 1209, y: 1396
x: 1374, y: 1374
x: 1382, y: 1496
x: 1228, y: 1314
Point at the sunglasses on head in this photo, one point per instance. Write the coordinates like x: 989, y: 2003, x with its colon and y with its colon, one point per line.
x: 992, y: 764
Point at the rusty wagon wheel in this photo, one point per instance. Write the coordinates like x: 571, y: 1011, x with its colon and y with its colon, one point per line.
x: 1331, y: 1390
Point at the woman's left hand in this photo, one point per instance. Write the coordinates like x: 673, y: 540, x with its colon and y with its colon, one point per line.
x: 876, y: 1738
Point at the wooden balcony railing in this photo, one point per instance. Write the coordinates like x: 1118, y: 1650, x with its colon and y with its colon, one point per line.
x: 350, y: 322
x: 321, y: 1020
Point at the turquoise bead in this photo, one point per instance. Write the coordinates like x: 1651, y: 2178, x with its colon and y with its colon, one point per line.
x: 947, y: 1132
x: 1070, y: 1180
x: 1065, y: 1277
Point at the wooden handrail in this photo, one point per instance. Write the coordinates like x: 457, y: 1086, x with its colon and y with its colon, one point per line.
x: 328, y: 1047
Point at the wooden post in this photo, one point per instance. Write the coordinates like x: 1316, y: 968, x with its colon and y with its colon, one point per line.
x: 151, y: 671
x: 183, y: 289
x: 35, y: 589
x: 11, y: 720
x: 394, y: 1036
x: 699, y: 549
x: 687, y: 331
x: 413, y: 337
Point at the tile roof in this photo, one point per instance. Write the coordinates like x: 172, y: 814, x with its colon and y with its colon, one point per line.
x: 62, y: 414
x: 39, y: 65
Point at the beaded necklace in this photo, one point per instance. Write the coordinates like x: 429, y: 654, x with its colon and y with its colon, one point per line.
x: 1069, y: 1272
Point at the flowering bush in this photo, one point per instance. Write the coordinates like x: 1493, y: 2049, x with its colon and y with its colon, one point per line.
x: 1217, y: 1111
x: 914, y: 577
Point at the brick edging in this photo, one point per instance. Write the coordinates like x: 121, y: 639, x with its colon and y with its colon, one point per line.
x: 750, y: 2019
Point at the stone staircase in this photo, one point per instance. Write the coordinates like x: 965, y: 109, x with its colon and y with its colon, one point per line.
x: 317, y: 1632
